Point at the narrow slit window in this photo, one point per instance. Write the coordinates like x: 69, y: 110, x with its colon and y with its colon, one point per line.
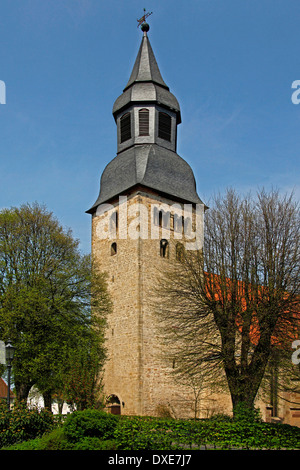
x: 113, y: 225
x: 113, y: 249
x: 160, y: 218
x: 143, y: 122
x: 164, y: 248
x: 179, y: 252
x: 125, y: 123
x: 164, y: 126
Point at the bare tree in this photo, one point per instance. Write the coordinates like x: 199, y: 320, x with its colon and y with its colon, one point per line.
x: 227, y: 307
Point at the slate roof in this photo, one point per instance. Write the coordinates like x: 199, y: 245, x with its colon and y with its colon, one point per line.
x: 146, y: 83
x: 148, y: 165
x: 145, y: 68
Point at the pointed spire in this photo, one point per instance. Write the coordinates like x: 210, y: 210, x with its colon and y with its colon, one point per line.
x: 145, y: 82
x: 145, y: 68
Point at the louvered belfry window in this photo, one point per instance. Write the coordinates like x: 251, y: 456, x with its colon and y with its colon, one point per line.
x: 125, y: 127
x: 164, y: 126
x: 144, y: 122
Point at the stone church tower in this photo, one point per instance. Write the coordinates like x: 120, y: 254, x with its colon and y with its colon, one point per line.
x: 147, y: 199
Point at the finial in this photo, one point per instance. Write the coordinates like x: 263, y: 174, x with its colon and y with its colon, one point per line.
x: 145, y: 27
x: 142, y: 22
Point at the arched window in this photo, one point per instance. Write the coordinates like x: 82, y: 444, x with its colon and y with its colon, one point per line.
x: 113, y: 249
x: 164, y: 219
x: 164, y: 126
x: 179, y: 252
x: 144, y: 122
x: 114, y: 405
x: 161, y: 218
x: 164, y: 248
x: 125, y: 123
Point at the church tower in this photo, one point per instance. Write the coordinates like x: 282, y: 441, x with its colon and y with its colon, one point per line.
x: 147, y: 199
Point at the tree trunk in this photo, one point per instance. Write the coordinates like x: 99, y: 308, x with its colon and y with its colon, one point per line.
x: 274, y: 385
x: 48, y: 401
x: 22, y: 390
x: 60, y: 404
x: 243, y: 389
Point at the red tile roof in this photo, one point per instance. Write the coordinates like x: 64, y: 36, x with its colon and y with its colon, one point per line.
x: 3, y: 389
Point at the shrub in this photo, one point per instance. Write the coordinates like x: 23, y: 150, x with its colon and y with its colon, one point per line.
x: 23, y: 423
x: 221, y: 417
x: 55, y: 440
x: 145, y: 433
x: 94, y: 443
x: 134, y: 433
x: 89, y: 423
x: 26, y: 445
x: 97, y: 430
x: 242, y: 412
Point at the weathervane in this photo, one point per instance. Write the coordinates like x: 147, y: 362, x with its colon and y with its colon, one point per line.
x: 143, y: 19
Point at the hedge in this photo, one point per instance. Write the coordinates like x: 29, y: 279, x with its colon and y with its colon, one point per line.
x: 97, y: 430
x: 140, y: 433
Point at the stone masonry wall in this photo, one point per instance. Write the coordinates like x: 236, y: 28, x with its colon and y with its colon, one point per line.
x: 135, y: 371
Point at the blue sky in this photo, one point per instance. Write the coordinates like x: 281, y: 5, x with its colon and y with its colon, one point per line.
x: 230, y: 64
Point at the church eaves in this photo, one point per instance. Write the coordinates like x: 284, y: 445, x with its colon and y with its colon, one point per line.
x: 150, y: 166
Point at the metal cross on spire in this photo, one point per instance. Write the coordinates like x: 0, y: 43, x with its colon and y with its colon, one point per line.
x: 143, y: 19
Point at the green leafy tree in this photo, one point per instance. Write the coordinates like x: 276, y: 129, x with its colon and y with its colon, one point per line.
x: 45, y: 299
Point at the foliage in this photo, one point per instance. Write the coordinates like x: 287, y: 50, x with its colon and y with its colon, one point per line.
x: 96, y: 430
x: 89, y: 423
x: 54, y: 440
x: 45, y: 300
x: 33, y: 444
x: 243, y: 413
x: 94, y: 443
x: 81, y: 382
x: 83, y: 430
x: 140, y: 433
x: 21, y: 423
x: 137, y: 433
x: 57, y: 441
